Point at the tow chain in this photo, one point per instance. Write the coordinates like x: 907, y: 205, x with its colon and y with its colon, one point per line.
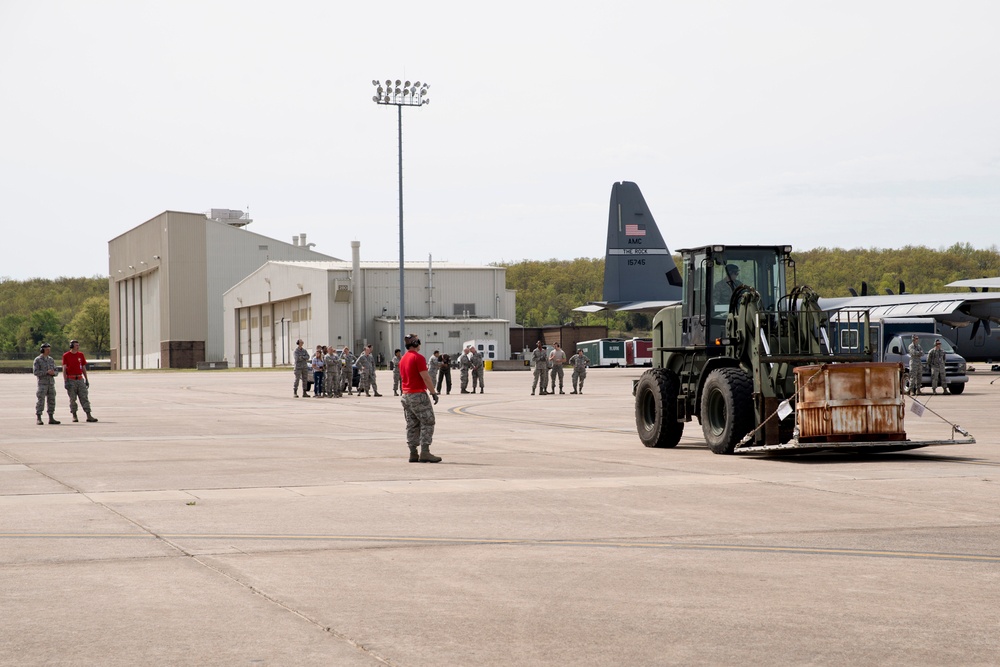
x: 954, y: 427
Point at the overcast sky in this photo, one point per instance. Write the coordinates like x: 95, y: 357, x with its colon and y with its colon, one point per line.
x: 839, y: 124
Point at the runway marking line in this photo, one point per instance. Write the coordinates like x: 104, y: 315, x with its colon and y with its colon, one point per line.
x: 617, y: 544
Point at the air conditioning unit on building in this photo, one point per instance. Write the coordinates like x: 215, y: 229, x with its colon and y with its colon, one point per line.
x: 342, y: 291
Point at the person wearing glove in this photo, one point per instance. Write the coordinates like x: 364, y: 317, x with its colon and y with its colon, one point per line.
x: 44, y: 369
x: 415, y: 382
x: 76, y: 381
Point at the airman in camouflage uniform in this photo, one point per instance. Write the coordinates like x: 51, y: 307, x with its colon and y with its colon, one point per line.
x: 347, y: 368
x: 366, y: 373
x: 336, y: 373
x: 329, y: 360
x: 301, y: 356
x: 418, y: 408
x: 541, y: 361
x: 935, y: 359
x: 394, y: 365
x: 464, y: 364
x: 44, y: 368
x: 477, y: 370
x: 434, y: 365
x: 579, y: 362
x: 557, y: 359
x: 916, y: 364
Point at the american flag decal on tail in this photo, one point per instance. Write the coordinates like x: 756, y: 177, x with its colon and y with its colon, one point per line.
x: 635, y: 230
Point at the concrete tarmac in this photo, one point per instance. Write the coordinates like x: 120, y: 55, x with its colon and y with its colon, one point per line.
x: 210, y: 518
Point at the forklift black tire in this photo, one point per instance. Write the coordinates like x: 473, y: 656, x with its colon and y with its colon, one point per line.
x: 656, y: 408
x: 727, y: 413
x: 956, y: 387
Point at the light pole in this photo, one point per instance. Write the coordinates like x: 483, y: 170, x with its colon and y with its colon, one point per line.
x: 402, y: 94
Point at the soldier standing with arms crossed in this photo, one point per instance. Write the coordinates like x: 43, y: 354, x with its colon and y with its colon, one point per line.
x: 301, y: 369
x: 579, y: 362
x: 44, y: 369
x: 77, y: 382
x: 417, y: 407
x: 916, y: 364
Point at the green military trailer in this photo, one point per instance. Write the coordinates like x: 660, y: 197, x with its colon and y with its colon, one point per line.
x: 606, y: 352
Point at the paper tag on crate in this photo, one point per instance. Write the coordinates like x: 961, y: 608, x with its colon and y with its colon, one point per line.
x: 784, y: 409
x: 917, y: 408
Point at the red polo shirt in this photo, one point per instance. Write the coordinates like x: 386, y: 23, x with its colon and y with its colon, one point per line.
x: 73, y: 363
x: 410, y: 367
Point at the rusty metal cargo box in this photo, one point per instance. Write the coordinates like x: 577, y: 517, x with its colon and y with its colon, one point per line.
x: 845, y: 402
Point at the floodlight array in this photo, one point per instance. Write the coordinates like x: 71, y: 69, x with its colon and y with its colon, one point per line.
x: 400, y: 93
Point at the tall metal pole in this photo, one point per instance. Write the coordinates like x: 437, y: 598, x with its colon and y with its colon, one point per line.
x: 400, y: 95
x: 402, y: 282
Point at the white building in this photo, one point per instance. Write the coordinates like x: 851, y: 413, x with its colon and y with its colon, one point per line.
x: 167, y: 277
x: 353, y: 303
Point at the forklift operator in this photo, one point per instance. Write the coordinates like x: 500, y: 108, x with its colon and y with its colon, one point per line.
x: 724, y: 289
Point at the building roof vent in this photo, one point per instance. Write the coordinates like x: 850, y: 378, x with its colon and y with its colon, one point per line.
x: 230, y: 217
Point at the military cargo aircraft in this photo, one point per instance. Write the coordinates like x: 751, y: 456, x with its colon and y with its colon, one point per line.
x: 640, y: 275
x: 639, y: 271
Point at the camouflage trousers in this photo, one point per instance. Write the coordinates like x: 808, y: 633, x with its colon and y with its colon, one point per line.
x: 395, y: 380
x: 937, y: 378
x: 581, y: 376
x: 366, y: 381
x: 301, y: 375
x: 916, y: 374
x: 419, y: 413
x: 46, y: 392
x: 463, y: 377
x: 336, y: 380
x: 78, y: 389
x: 477, y: 379
x: 541, y: 376
x: 557, y: 372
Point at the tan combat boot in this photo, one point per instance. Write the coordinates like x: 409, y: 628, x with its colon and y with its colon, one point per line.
x: 426, y: 456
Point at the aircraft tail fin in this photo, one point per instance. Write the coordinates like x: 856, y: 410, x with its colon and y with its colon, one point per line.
x: 638, y: 265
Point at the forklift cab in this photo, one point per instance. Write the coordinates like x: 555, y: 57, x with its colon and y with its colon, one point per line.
x: 713, y: 274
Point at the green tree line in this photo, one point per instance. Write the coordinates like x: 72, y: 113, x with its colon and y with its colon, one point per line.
x: 547, y: 291
x: 53, y: 311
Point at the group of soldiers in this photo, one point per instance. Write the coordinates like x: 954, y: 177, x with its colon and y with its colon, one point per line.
x: 935, y: 360
x: 470, y: 364
x: 331, y: 373
x: 551, y: 364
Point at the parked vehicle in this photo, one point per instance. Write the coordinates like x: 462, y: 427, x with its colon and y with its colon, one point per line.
x: 639, y: 352
x: 604, y: 351
x: 890, y: 337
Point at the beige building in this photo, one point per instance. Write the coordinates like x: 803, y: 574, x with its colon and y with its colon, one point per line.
x: 167, y: 277
x: 353, y: 303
